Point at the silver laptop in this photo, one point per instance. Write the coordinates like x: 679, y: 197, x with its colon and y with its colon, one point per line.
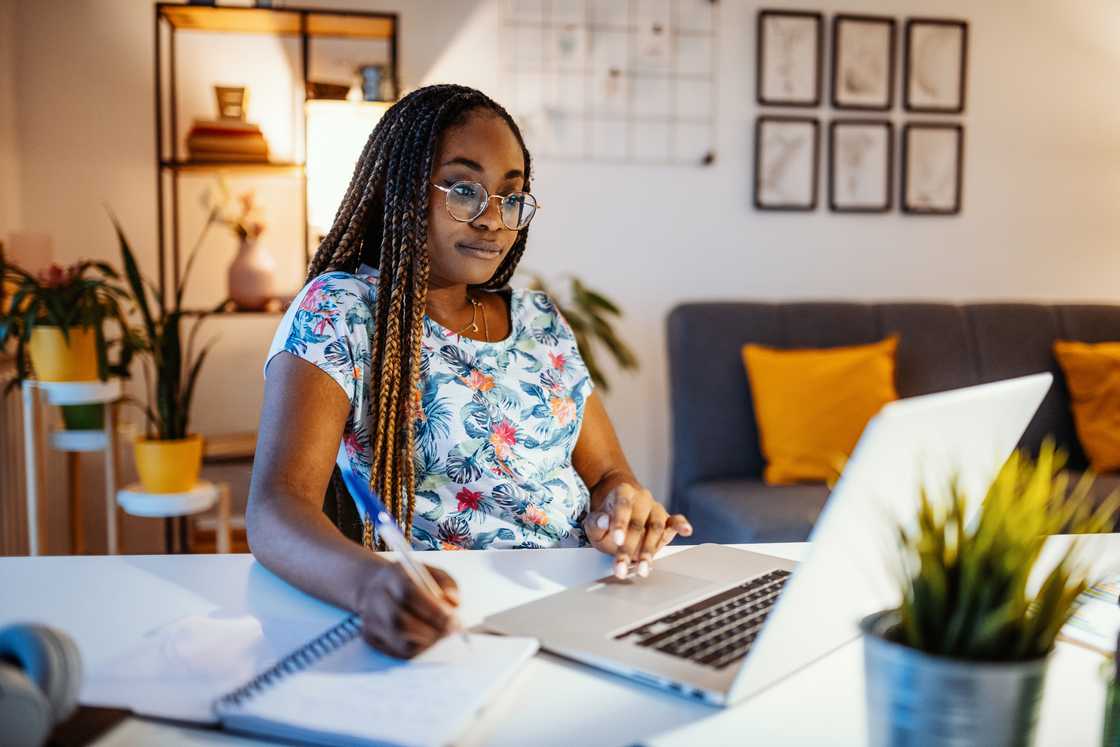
x: 720, y: 624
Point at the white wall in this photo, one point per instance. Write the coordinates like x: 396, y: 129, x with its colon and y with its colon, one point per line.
x: 1041, y: 180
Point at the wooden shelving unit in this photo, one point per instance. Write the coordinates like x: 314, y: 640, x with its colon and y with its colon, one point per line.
x: 304, y: 24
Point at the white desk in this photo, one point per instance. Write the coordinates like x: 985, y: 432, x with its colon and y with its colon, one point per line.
x: 107, y: 603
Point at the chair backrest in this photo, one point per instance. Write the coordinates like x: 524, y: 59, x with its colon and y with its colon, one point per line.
x: 942, y: 346
x: 340, y: 509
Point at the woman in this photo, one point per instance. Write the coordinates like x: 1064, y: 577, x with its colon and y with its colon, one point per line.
x: 408, y: 359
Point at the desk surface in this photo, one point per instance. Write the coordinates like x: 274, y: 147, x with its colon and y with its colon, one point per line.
x: 108, y: 603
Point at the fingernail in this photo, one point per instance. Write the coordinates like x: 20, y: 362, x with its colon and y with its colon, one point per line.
x: 619, y: 536
x: 620, y: 570
x: 603, y: 521
x: 643, y: 568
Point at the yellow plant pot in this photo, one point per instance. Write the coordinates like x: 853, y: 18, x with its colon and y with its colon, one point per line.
x: 53, y: 359
x: 169, y: 466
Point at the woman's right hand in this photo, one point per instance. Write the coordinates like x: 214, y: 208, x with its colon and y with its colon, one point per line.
x: 401, y: 619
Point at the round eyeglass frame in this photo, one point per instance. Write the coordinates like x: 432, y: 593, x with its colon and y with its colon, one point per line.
x: 486, y: 203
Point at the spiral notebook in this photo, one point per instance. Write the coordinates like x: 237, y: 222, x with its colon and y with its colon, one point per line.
x: 336, y: 690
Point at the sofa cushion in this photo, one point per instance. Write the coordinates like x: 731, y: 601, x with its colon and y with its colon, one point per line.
x: 1092, y: 373
x: 812, y: 404
x: 751, y: 511
x: 936, y: 350
x: 1016, y: 340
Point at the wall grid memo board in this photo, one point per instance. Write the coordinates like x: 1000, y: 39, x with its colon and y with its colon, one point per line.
x: 615, y: 82
x: 866, y: 161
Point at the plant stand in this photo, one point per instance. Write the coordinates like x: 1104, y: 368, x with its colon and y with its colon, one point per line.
x: 176, y: 507
x: 59, y: 393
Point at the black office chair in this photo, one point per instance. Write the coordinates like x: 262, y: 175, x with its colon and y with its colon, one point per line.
x: 340, y: 509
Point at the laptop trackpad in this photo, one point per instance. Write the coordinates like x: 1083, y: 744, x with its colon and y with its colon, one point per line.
x: 659, y: 588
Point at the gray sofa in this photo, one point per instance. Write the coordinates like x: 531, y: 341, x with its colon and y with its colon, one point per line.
x: 716, y: 462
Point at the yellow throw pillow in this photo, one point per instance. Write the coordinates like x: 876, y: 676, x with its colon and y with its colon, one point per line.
x: 1093, y: 377
x: 812, y: 405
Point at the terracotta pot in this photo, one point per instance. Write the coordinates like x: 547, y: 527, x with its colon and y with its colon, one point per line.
x: 252, y: 276
x: 170, y: 466
x: 55, y: 359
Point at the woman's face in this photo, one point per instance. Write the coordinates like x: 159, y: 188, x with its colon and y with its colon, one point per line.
x: 483, y: 149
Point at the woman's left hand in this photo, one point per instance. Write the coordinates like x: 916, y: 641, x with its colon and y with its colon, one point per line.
x: 633, y: 527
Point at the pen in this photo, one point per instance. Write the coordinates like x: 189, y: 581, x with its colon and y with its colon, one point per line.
x: 388, y: 530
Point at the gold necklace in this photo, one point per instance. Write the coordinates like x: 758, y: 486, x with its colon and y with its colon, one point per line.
x: 473, y: 325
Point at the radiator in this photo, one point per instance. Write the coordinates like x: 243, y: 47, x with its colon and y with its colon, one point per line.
x: 13, y: 507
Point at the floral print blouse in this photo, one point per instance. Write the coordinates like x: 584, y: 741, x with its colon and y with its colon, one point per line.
x: 496, y: 425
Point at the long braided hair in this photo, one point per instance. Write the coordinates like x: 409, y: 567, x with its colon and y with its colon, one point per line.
x: 383, y: 221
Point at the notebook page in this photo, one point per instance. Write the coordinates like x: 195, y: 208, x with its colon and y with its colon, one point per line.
x: 356, y: 695
x: 177, y: 670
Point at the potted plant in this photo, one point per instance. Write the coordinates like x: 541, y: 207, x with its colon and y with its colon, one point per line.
x: 963, y: 657
x: 57, y: 318
x: 169, y: 455
x: 588, y: 312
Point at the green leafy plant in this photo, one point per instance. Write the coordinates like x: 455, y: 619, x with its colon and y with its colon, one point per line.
x: 965, y: 588
x: 83, y: 295
x: 170, y: 369
x: 589, y: 314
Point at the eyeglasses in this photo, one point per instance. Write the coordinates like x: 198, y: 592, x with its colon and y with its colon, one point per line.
x: 468, y: 200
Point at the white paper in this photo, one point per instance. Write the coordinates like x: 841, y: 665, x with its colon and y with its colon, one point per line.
x: 176, y: 671
x: 358, y: 695
x: 1096, y: 623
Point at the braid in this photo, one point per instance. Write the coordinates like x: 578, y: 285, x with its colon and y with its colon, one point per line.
x: 383, y: 220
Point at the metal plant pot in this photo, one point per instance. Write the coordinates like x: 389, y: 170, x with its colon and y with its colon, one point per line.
x: 915, y: 698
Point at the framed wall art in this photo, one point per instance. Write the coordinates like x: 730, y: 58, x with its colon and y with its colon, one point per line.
x: 789, y: 48
x: 786, y: 151
x: 932, y: 168
x: 860, y: 165
x: 863, y: 54
x: 935, y: 65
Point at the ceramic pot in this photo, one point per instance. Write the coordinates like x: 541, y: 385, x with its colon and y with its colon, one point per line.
x: 54, y: 358
x: 252, y: 276
x: 170, y: 466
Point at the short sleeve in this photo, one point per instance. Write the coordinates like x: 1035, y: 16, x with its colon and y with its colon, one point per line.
x: 329, y: 325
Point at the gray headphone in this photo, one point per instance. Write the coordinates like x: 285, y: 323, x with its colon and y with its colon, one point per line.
x: 40, y: 676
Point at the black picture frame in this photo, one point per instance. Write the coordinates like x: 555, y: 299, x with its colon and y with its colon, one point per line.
x: 761, y: 70
x: 887, y: 86
x: 835, y: 204
x: 907, y: 201
x: 910, y: 69
x: 814, y: 177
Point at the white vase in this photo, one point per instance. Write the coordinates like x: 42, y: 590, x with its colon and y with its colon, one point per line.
x: 252, y: 276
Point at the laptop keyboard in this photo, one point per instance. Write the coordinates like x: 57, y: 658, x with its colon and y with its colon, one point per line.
x: 717, y: 631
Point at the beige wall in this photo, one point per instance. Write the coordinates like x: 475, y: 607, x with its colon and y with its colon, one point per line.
x: 9, y: 148
x: 1041, y: 180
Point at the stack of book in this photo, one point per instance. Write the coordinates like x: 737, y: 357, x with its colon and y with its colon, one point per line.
x: 226, y: 140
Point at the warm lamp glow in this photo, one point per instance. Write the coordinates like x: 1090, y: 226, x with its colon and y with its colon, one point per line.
x: 336, y: 133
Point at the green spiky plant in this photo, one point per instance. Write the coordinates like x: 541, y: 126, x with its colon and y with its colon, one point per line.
x: 589, y: 314
x: 170, y: 371
x: 965, y: 588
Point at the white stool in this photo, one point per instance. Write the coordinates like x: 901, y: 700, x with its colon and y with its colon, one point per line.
x: 138, y: 502
x: 35, y: 394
